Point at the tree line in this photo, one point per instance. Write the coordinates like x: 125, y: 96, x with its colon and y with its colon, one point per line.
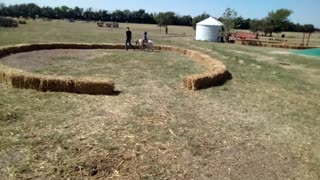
x: 275, y: 21
x: 138, y: 16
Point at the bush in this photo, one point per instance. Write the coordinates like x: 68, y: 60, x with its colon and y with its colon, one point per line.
x: 8, y: 22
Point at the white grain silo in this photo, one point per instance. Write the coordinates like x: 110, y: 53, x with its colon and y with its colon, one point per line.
x: 208, y: 29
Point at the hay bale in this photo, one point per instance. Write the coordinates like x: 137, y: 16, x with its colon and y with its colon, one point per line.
x: 23, y: 81
x: 7, y: 73
x: 32, y: 82
x: 117, y: 46
x: 100, y: 24
x: 100, y: 46
x: 206, y: 80
x: 23, y: 48
x: 217, y: 70
x: 17, y: 81
x: 21, y: 21
x: 12, y: 49
x: 179, y: 50
x: 109, y: 25
x: 216, y: 75
x: 3, y: 53
x: 56, y: 84
x: 94, y: 86
x: 50, y: 46
x: 115, y: 25
x: 8, y: 22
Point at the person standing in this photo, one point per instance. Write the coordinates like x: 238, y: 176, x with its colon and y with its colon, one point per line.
x: 128, y: 39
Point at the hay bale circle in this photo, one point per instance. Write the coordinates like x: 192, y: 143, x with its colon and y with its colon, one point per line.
x: 216, y: 74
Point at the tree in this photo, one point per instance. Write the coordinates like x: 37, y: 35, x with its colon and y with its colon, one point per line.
x: 47, y: 12
x: 307, y: 28
x: 78, y: 12
x: 266, y: 27
x: 275, y: 21
x: 118, y: 16
x: 165, y: 19
x: 184, y: 20
x: 198, y: 19
x: 228, y: 19
x: 88, y: 14
x: 241, y: 23
x: 2, y: 9
x: 64, y: 11
x: 255, y: 25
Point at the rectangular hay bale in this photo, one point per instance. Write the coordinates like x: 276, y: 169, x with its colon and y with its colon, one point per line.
x: 32, y: 82
x: 95, y: 87
x: 17, y: 81
x: 56, y: 85
x: 206, y: 80
x: 3, y: 53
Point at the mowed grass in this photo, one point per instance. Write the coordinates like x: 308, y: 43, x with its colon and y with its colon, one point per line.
x: 263, y: 124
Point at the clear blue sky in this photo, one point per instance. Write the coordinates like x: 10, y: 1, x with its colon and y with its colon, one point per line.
x: 305, y: 11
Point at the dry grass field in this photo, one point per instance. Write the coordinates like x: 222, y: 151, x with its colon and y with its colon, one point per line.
x: 262, y: 124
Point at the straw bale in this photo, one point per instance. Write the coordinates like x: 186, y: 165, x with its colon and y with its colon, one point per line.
x: 47, y: 46
x: 80, y: 46
x: 94, y: 86
x: 117, y: 46
x: 17, y: 81
x: 205, y: 80
x: 217, y: 71
x: 177, y: 50
x: 157, y: 48
x: 56, y: 84
x: 100, y: 46
x: 25, y: 48
x: 12, y: 49
x: 6, y: 73
x: 181, y: 51
x: 32, y: 82
x: 3, y: 53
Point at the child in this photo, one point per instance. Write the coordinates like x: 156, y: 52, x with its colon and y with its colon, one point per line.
x: 145, y: 38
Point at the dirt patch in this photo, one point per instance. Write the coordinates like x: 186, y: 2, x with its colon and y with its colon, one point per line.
x: 35, y: 60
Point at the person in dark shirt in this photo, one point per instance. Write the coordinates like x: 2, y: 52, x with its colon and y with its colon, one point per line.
x: 128, y: 38
x: 145, y: 38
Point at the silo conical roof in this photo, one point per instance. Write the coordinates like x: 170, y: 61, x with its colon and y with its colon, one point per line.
x: 210, y: 22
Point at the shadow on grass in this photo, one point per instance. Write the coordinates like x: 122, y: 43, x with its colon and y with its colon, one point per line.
x: 116, y: 93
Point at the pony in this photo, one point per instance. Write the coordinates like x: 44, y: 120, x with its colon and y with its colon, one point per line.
x: 148, y: 45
